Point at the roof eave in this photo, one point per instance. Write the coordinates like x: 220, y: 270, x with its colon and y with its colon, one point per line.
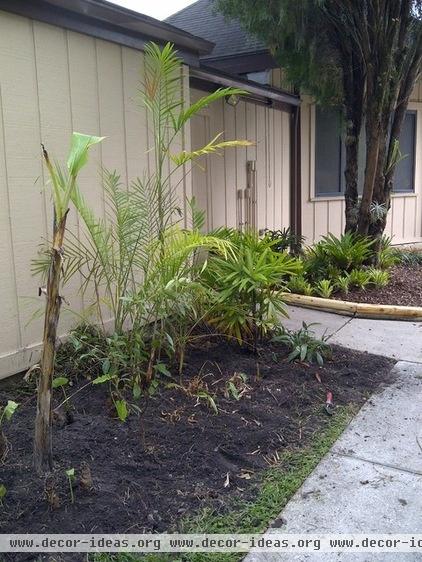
x: 105, y: 20
x: 260, y: 92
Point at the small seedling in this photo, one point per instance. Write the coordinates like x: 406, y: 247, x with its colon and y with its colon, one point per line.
x: 379, y: 278
x: 359, y: 278
x: 304, y: 346
x: 70, y: 473
x: 324, y: 288
x: 343, y: 284
x: 3, y: 492
x: 206, y: 396
x: 8, y: 411
x: 236, y: 386
x: 121, y: 409
x: 7, y: 414
x: 60, y: 382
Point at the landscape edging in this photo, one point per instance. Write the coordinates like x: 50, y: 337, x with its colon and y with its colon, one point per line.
x: 357, y: 309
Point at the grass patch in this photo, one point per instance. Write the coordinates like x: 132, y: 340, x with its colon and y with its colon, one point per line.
x: 277, y: 486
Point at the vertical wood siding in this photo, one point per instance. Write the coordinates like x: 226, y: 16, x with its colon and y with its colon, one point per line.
x: 53, y: 82
x: 326, y: 214
x: 217, y: 178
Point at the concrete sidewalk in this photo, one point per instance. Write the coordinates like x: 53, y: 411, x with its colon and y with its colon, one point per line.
x: 371, y: 480
x: 399, y: 340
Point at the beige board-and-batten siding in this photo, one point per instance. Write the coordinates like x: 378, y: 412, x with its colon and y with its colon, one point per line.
x: 217, y: 180
x: 53, y: 82
x: 321, y: 215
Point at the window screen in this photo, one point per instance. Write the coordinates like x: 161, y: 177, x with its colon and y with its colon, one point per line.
x: 328, y: 152
x: 404, y: 177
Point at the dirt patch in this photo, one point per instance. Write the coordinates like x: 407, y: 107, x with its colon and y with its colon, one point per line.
x: 405, y: 288
x: 192, y: 456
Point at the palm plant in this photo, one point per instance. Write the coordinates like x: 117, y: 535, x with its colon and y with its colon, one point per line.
x: 139, y: 263
x: 64, y: 187
x: 246, y: 286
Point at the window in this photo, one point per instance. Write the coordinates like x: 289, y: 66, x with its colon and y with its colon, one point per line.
x: 404, y: 177
x: 330, y: 154
x: 329, y: 149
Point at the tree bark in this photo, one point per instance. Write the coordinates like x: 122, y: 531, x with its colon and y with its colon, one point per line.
x: 43, y: 458
x: 351, y: 195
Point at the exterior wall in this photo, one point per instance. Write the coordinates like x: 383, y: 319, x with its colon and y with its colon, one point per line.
x: 279, y: 80
x: 53, y: 82
x: 326, y: 214
x: 217, y: 178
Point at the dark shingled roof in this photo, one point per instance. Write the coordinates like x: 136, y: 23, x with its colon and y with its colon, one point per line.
x: 202, y: 19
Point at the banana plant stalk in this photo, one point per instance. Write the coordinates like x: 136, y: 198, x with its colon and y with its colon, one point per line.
x: 63, y: 190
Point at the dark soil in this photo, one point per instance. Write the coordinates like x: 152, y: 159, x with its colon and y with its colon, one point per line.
x: 404, y: 288
x: 190, y: 452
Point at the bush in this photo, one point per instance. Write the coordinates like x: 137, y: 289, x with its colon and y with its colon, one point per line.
x: 246, y: 286
x: 299, y: 285
x: 332, y: 256
x: 304, y: 346
x: 324, y: 288
x: 378, y: 277
x: 343, y: 284
x: 284, y: 240
x: 359, y: 278
x: 388, y: 256
x: 139, y: 265
x: 408, y: 257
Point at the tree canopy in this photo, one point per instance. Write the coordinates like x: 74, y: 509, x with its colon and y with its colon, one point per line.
x: 364, y: 56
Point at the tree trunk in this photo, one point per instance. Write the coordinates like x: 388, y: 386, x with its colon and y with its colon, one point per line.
x: 368, y: 188
x: 351, y: 175
x: 43, y: 459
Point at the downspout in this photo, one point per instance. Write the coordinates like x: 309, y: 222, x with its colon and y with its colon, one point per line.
x: 295, y: 173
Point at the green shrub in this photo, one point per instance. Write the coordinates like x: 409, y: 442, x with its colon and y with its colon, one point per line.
x: 299, y: 285
x: 359, y: 278
x: 139, y: 265
x: 388, y: 256
x: 343, y: 284
x: 378, y: 277
x: 245, y: 285
x: 332, y: 256
x: 284, y: 240
x: 304, y: 346
x: 324, y: 288
x: 408, y: 257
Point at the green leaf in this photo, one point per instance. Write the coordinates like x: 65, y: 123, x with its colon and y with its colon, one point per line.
x: 303, y: 351
x: 101, y: 379
x: 10, y: 409
x: 293, y: 355
x: 59, y: 381
x: 121, y: 409
x: 70, y: 473
x: 162, y: 368
x: 212, y: 404
x: 3, y: 491
x: 78, y: 156
x: 106, y: 366
x: 136, y: 391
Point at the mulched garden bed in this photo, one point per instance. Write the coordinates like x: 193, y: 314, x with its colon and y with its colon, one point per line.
x: 192, y: 457
x: 404, y: 288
